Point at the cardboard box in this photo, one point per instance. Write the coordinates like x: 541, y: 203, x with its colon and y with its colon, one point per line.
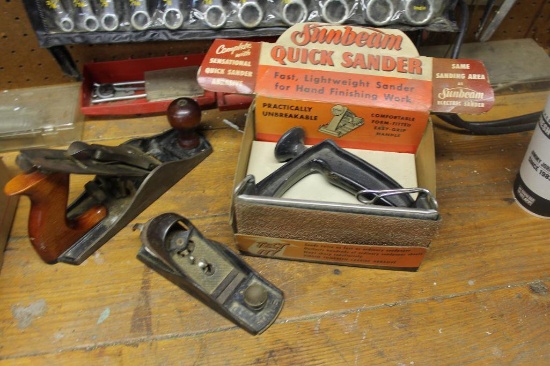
x: 349, y: 234
x: 7, y: 210
x: 364, y: 88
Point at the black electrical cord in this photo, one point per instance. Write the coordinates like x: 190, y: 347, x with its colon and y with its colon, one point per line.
x: 498, y: 127
x: 463, y: 28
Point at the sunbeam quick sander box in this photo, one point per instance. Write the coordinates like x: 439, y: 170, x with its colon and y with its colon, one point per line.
x: 369, y: 91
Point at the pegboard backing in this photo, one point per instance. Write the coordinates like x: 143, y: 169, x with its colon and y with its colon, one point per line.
x: 527, y: 19
x: 24, y: 64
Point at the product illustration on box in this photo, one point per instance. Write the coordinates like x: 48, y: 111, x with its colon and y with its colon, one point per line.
x: 342, y: 122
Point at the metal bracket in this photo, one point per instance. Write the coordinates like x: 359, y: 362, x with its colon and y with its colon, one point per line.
x: 484, y: 34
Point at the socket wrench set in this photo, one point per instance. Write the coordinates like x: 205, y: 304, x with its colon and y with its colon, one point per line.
x: 101, y: 21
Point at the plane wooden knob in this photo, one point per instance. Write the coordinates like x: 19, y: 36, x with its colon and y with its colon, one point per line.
x: 184, y: 115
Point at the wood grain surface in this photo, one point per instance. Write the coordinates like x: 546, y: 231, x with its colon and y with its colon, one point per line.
x: 480, y: 297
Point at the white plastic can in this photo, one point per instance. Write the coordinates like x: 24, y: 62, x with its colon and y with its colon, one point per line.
x: 532, y: 185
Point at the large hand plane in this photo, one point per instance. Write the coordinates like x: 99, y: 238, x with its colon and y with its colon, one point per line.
x: 128, y: 178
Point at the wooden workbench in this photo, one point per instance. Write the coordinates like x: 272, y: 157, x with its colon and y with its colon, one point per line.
x: 480, y: 297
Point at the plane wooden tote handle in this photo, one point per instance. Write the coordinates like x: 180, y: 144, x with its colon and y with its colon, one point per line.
x: 50, y: 231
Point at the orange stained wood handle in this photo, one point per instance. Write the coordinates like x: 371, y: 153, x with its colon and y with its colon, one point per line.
x: 50, y: 232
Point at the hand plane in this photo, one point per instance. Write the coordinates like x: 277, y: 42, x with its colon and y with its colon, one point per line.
x: 210, y: 272
x: 128, y: 178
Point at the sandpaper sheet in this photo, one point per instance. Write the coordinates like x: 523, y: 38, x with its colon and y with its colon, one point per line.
x: 172, y: 83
